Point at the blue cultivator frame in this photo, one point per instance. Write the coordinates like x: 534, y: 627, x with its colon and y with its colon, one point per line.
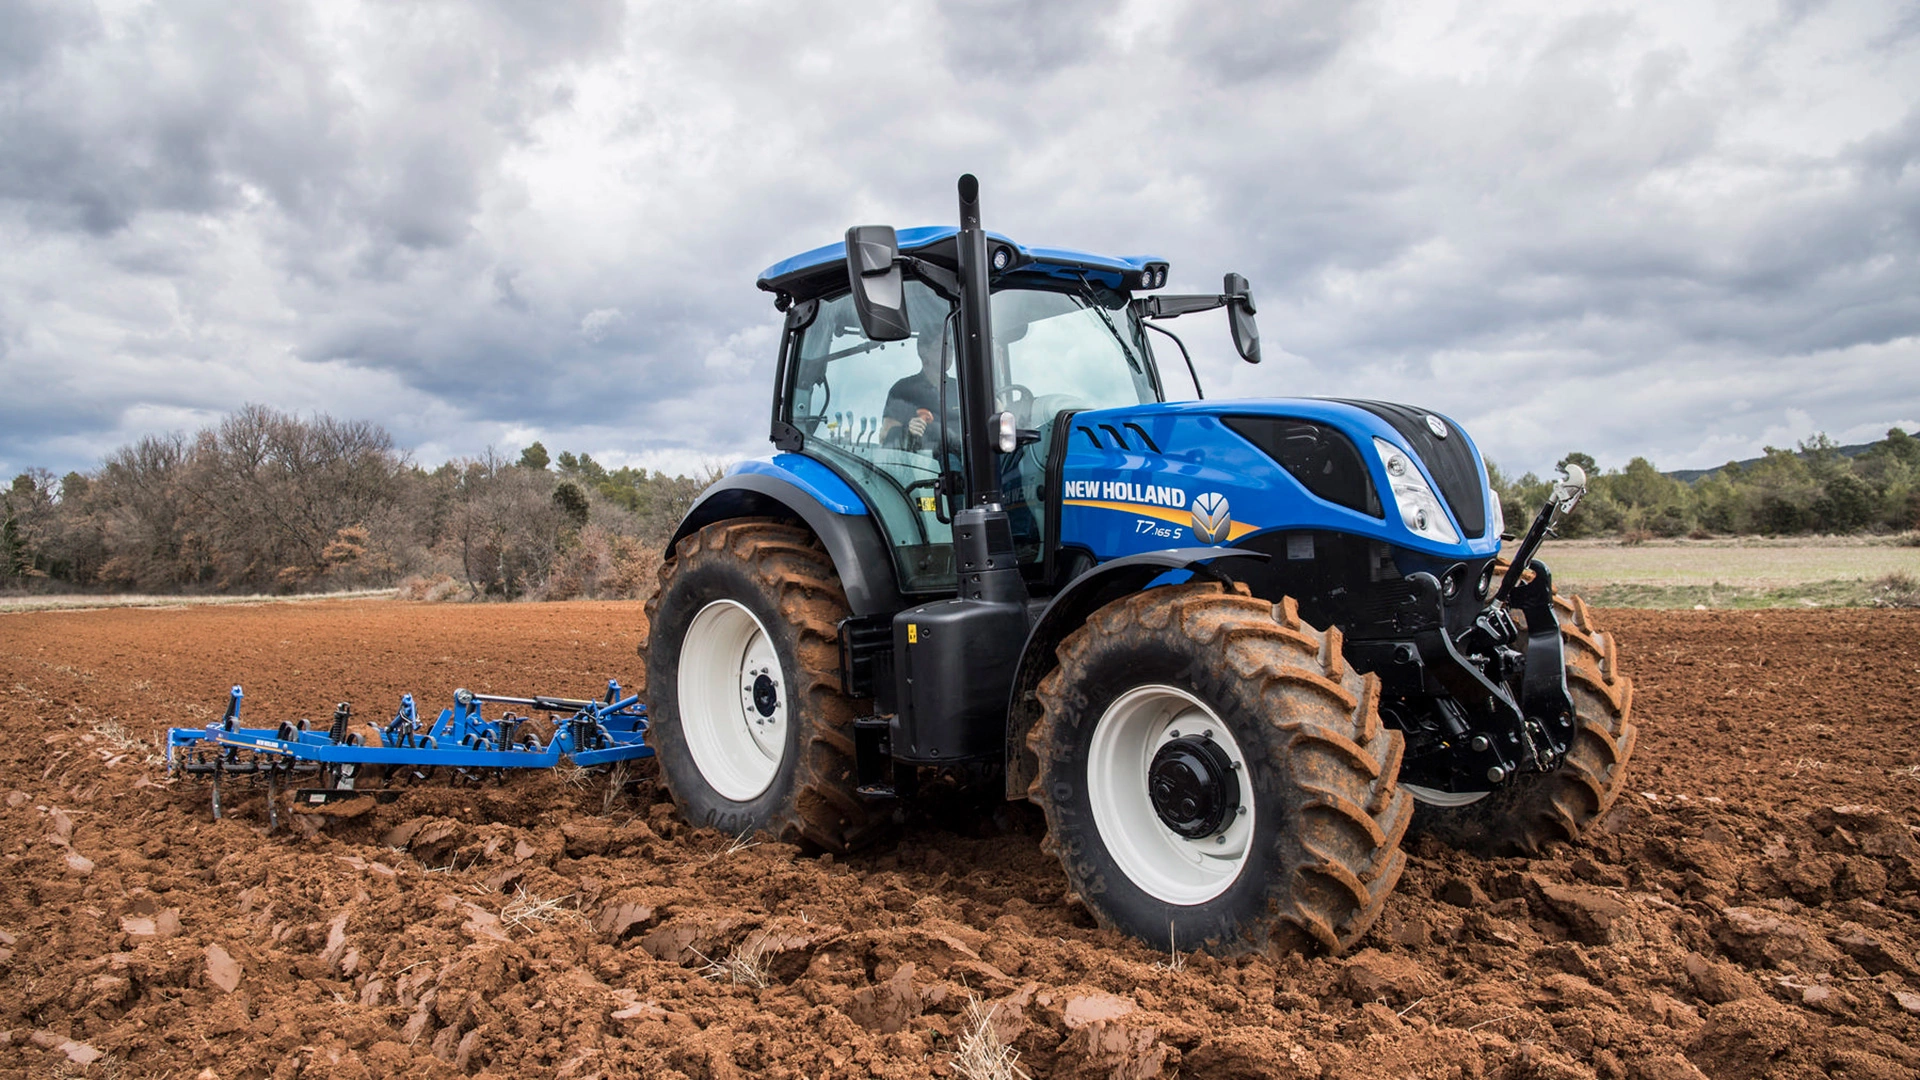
x: 461, y: 740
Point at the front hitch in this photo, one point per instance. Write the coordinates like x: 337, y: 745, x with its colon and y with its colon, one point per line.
x: 1493, y: 729
x: 1528, y: 588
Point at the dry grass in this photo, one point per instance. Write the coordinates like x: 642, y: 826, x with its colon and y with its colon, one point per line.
x: 1898, y: 589
x: 1174, y: 961
x: 572, y: 775
x: 619, y: 775
x: 13, y: 604
x: 526, y: 911
x: 1747, y: 563
x: 980, y: 1055
x: 735, y: 846
x: 125, y: 742
x: 749, y: 964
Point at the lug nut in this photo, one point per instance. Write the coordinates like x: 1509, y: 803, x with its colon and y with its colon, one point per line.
x: 1480, y: 744
x: 1496, y: 774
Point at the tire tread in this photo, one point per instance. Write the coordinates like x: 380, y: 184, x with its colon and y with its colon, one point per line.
x: 1351, y: 812
x: 794, y: 567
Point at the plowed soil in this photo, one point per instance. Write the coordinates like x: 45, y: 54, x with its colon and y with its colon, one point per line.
x: 1751, y: 908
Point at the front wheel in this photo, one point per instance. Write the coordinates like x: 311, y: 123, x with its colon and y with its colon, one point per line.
x: 1215, y: 776
x: 745, y: 710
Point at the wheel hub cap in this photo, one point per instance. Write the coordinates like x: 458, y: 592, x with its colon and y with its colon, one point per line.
x: 766, y: 696
x: 1192, y: 786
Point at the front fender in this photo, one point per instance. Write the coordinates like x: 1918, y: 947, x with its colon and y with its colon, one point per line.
x: 1064, y: 614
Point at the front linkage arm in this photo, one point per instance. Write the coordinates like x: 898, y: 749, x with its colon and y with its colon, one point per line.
x: 1565, y: 496
x: 1544, y: 699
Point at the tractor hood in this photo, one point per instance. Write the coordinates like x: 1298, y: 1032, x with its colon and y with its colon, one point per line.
x: 1405, y: 475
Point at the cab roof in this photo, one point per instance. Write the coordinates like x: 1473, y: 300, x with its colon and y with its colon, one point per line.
x: 823, y: 271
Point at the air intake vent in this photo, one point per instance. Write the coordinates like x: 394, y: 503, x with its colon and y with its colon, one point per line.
x: 1321, y: 458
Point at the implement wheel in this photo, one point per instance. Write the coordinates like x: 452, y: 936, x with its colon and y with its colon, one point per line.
x: 1536, y: 809
x: 744, y: 703
x: 1215, y: 776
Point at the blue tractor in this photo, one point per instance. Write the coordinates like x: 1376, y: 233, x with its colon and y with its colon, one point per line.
x: 1232, y: 649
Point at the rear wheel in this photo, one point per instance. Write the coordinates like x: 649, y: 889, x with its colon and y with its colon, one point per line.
x: 745, y: 709
x: 1536, y: 809
x: 1215, y: 776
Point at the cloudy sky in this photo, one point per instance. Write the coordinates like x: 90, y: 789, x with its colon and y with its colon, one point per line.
x: 1683, y: 229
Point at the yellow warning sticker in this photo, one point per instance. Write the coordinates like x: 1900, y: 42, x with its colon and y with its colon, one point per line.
x: 913, y: 633
x: 927, y: 504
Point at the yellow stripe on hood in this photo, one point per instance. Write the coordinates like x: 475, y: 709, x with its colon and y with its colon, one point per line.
x: 1235, y: 530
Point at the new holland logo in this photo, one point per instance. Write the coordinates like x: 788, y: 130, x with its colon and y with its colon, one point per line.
x: 1211, y: 517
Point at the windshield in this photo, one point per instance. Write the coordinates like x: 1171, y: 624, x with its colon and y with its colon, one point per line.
x: 1068, y: 352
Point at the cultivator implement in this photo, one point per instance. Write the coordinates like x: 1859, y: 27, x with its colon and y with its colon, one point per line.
x: 461, y: 744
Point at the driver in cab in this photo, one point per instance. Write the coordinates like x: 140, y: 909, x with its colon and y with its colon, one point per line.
x: 913, y: 403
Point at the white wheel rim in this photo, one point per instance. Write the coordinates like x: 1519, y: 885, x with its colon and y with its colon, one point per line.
x: 1436, y: 797
x: 1167, y: 866
x: 736, y: 734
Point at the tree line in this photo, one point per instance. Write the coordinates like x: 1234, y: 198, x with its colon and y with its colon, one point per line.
x: 265, y: 501
x: 1814, y: 488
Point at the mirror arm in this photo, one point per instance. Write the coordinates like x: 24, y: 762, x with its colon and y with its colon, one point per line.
x: 939, y: 278
x: 1172, y: 307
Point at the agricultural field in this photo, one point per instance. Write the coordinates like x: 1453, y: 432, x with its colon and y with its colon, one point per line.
x: 1744, y: 572
x: 1751, y: 908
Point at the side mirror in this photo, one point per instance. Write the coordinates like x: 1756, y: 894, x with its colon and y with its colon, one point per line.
x: 1246, y: 336
x: 879, y: 289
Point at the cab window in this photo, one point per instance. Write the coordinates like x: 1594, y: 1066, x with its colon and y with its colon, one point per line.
x: 873, y: 410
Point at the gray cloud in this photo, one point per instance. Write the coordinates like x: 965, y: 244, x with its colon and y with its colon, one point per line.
x: 484, y: 223
x: 1018, y: 40
x: 1243, y: 43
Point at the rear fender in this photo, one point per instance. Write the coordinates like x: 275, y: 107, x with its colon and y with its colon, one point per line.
x: 1063, y: 615
x: 826, y: 504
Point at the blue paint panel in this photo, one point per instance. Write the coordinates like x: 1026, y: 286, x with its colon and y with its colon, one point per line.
x: 1201, y: 455
x: 821, y: 484
x: 1049, y: 262
x: 908, y: 239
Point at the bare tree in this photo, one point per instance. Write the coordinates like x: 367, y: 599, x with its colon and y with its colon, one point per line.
x: 505, y: 527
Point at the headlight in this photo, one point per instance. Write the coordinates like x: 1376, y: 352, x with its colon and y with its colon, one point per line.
x: 1420, y: 509
x: 1499, y: 513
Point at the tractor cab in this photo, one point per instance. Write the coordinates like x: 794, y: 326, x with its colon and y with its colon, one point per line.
x: 884, y: 414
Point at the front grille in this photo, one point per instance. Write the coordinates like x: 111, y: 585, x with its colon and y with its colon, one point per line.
x: 1448, y: 459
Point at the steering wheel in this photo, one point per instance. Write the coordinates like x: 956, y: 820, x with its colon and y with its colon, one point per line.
x: 1018, y: 400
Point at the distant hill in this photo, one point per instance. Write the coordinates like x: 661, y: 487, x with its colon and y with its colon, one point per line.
x: 1690, y: 475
